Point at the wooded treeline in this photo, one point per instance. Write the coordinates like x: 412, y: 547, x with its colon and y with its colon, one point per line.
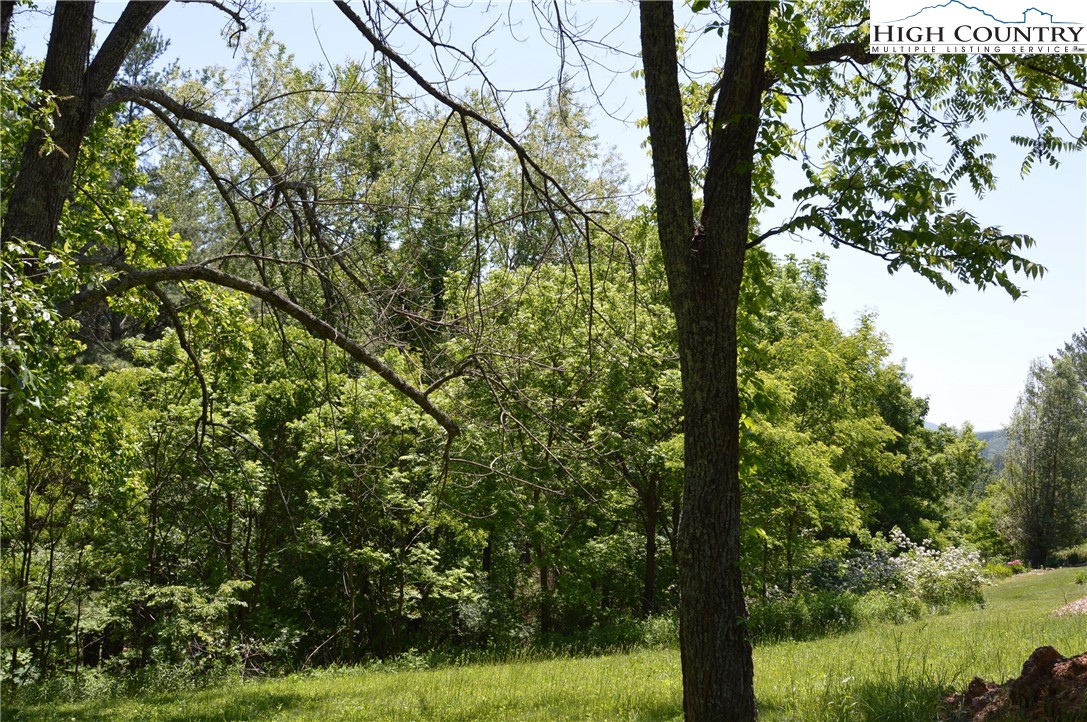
x: 315, y: 373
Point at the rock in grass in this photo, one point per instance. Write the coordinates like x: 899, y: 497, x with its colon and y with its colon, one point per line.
x: 1051, y: 687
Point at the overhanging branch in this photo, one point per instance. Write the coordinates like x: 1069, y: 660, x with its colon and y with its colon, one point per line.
x: 314, y: 325
x: 856, y: 50
x: 115, y: 48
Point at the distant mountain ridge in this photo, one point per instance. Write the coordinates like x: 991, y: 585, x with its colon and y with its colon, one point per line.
x: 996, y: 445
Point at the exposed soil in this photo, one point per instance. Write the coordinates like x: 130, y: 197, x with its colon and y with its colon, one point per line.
x: 1052, y: 688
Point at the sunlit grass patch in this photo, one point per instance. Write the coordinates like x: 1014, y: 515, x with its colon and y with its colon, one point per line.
x: 890, y: 672
x: 639, y: 687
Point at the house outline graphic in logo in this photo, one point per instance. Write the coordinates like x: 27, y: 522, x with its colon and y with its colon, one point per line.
x: 1046, y: 17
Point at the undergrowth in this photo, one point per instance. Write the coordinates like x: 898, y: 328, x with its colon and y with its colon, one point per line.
x: 880, y: 672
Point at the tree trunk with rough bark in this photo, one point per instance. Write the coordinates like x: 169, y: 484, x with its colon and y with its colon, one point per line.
x: 77, y: 82
x: 44, y: 179
x: 704, y: 263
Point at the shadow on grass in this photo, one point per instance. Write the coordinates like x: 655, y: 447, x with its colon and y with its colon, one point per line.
x: 560, y: 708
x: 239, y: 704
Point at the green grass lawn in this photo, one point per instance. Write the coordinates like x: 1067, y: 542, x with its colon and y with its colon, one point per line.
x: 879, y: 673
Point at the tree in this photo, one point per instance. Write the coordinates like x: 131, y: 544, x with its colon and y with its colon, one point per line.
x: 1045, y: 469
x: 875, y: 197
x: 1076, y: 352
x: 44, y: 178
x: 877, y: 117
x: 588, y: 419
x: 812, y: 427
x: 357, y: 469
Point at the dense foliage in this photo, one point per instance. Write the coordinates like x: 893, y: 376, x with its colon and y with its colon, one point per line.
x: 194, y: 479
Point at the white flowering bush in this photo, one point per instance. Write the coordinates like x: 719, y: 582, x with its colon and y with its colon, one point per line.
x: 892, y: 580
x: 939, y: 578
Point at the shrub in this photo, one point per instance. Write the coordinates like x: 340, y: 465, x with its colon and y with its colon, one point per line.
x: 881, y: 607
x: 1070, y: 557
x: 859, y: 573
x: 874, y: 585
x: 1081, y: 577
x: 660, y: 631
x: 804, y: 615
x: 938, y: 578
x: 998, y: 570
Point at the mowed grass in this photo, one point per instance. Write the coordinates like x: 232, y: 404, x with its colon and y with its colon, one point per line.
x: 883, y: 673
x: 899, y: 673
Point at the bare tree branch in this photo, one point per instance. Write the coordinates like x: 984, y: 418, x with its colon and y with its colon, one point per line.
x: 216, y: 180
x: 236, y: 14
x: 198, y: 369
x: 526, y: 159
x: 146, y: 95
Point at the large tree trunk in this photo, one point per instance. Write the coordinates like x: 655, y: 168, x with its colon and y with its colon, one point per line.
x: 45, y: 180
x: 42, y: 186
x: 7, y: 11
x: 704, y: 264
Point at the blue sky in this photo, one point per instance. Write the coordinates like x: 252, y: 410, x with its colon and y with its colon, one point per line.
x: 969, y: 353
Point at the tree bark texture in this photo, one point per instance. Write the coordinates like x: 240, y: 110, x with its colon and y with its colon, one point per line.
x: 45, y: 180
x: 7, y: 11
x: 704, y: 264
